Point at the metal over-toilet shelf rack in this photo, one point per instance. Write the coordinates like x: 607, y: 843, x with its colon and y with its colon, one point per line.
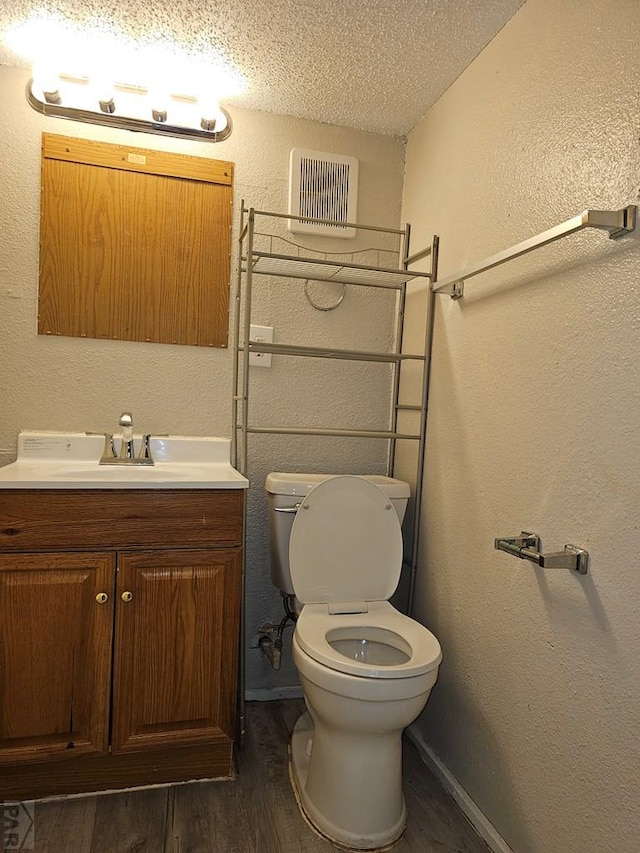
x: 256, y: 261
x: 257, y: 258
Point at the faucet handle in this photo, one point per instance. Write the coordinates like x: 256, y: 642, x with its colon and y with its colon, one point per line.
x: 145, y: 449
x: 109, y: 450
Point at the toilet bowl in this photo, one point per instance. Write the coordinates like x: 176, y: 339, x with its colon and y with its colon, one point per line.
x: 366, y: 669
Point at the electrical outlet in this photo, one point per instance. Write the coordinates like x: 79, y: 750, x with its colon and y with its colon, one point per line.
x: 261, y: 335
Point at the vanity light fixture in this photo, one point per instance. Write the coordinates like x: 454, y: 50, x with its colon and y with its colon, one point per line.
x: 129, y: 108
x: 158, y: 86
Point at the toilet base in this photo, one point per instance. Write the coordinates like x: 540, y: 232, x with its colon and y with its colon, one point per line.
x: 299, y: 760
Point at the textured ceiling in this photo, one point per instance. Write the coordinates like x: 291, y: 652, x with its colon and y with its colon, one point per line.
x: 375, y: 65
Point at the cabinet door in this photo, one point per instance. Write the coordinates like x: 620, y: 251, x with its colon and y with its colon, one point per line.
x: 176, y: 653
x: 55, y: 654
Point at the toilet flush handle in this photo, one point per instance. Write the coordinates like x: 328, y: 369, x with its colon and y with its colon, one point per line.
x: 290, y: 509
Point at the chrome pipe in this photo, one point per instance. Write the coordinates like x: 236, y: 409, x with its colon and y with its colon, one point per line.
x: 296, y: 260
x: 419, y: 256
x: 236, y: 340
x: 399, y: 334
x: 246, y: 330
x: 341, y: 433
x: 426, y: 385
x: 616, y: 222
x: 312, y: 219
x: 323, y: 352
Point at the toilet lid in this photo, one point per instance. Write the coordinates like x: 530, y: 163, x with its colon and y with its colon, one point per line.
x: 346, y: 544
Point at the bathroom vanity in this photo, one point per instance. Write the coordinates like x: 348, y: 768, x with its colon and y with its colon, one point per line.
x: 119, y: 626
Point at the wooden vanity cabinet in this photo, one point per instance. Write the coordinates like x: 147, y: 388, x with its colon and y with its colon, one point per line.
x: 119, y: 637
x: 173, y: 673
x: 55, y: 655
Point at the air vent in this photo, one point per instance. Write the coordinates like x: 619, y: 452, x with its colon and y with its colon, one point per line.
x: 323, y: 186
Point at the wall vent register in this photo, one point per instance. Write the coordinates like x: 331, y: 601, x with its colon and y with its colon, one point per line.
x: 323, y: 186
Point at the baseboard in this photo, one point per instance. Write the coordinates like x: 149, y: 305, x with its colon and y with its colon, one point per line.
x: 268, y: 694
x: 483, y: 826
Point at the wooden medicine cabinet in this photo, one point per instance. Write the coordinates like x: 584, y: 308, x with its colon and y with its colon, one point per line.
x: 135, y: 244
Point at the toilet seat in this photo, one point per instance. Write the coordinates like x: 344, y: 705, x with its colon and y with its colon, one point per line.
x: 345, y: 554
x: 316, y: 628
x: 345, y: 544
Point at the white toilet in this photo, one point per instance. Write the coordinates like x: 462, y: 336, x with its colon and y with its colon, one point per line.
x: 366, y: 669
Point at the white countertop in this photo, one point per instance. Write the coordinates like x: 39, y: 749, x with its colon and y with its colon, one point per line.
x: 58, y: 460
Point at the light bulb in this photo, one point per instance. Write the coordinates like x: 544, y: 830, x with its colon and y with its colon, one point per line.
x: 47, y: 82
x: 102, y: 88
x: 159, y: 99
x: 212, y: 118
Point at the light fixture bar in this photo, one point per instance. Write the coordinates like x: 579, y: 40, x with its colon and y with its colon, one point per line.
x: 106, y: 114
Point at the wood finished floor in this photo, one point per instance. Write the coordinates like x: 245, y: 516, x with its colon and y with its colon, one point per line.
x: 255, y: 813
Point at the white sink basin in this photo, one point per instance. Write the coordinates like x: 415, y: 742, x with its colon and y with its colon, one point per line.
x: 56, y: 460
x: 144, y: 473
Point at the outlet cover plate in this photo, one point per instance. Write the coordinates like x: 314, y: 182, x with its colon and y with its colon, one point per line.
x: 263, y: 335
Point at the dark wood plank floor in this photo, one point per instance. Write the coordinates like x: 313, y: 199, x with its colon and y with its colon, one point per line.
x: 255, y: 813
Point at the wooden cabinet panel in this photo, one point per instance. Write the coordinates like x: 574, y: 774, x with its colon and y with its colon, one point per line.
x: 55, y: 654
x: 33, y: 519
x: 166, y: 687
x: 142, y: 160
x: 176, y: 650
x: 134, y: 244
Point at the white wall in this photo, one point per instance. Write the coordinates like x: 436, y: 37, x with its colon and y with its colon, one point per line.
x: 534, y: 424
x: 82, y: 384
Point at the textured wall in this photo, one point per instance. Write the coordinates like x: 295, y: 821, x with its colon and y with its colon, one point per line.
x: 534, y: 425
x: 71, y: 383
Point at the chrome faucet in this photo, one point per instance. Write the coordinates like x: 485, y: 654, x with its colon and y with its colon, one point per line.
x: 126, y: 445
x: 127, y: 452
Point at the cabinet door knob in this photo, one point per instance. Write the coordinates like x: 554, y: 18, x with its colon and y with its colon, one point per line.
x: 102, y: 597
x: 126, y: 596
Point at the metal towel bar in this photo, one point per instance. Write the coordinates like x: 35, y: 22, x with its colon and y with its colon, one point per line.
x: 616, y: 222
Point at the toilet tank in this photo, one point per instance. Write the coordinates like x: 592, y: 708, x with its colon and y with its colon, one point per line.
x: 285, y: 492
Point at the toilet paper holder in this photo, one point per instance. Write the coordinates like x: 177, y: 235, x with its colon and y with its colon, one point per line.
x: 528, y: 546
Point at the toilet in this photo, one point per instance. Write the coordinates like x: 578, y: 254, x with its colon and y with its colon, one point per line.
x: 366, y: 669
